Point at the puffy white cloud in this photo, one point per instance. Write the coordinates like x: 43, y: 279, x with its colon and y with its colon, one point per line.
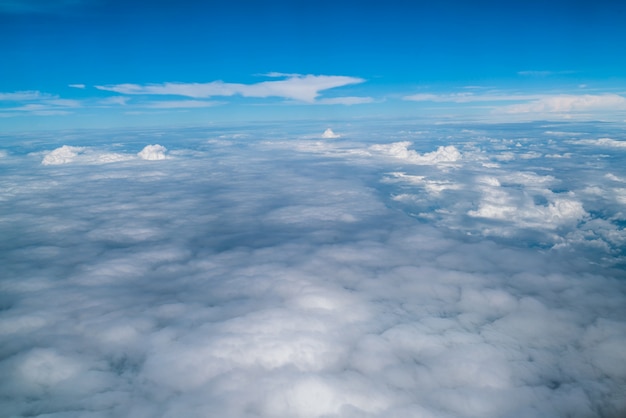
x: 443, y: 154
x: 152, y: 152
x: 329, y: 134
x: 62, y: 155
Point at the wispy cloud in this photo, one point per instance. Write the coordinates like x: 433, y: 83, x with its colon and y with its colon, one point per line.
x: 468, y: 97
x: 569, y: 103
x: 77, y: 86
x: 18, y: 96
x: 35, y: 103
x: 535, y: 104
x: 303, y: 88
x: 180, y: 104
x: 543, y: 73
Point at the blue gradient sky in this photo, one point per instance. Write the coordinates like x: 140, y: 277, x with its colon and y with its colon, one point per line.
x: 450, y: 59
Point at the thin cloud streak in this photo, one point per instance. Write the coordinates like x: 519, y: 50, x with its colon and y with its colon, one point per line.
x: 305, y: 88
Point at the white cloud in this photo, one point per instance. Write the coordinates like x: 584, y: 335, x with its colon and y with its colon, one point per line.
x: 329, y: 134
x: 602, y: 142
x: 67, y: 154
x: 305, y: 88
x: 569, y: 103
x: 345, y: 100
x: 115, y: 100
x: 469, y: 97
x: 19, y: 96
x: 543, y: 73
x: 443, y: 154
x: 63, y: 155
x: 152, y: 152
x: 180, y: 104
x: 537, y: 105
x: 77, y: 86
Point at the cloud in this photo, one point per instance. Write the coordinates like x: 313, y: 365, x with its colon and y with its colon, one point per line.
x: 77, y: 86
x: 180, y: 104
x: 469, y: 97
x: 543, y: 73
x: 536, y: 105
x: 62, y: 155
x: 68, y: 154
x: 601, y: 142
x: 400, y: 150
x: 36, y: 103
x: 152, y: 152
x: 268, y: 276
x: 329, y: 134
x: 569, y: 103
x: 304, y: 88
x: 345, y: 100
x: 19, y: 96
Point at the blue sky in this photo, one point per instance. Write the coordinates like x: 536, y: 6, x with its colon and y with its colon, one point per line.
x: 81, y: 63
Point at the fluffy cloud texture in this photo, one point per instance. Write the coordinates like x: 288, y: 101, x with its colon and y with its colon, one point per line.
x: 396, y: 271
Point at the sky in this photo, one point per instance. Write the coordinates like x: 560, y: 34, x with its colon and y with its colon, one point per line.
x: 329, y: 209
x: 103, y: 63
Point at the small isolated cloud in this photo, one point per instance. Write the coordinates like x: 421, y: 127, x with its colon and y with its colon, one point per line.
x: 152, y: 152
x: 329, y: 134
x: 400, y: 150
x: 77, y: 86
x: 304, y: 88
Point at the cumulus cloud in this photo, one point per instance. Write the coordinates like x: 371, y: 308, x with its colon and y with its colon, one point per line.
x: 262, y: 276
x: 62, y: 155
x: 152, y: 152
x: 68, y: 154
x: 305, y: 88
x: 329, y: 134
x: 443, y: 154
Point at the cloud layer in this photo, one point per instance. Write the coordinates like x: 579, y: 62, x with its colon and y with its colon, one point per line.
x: 395, y: 271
